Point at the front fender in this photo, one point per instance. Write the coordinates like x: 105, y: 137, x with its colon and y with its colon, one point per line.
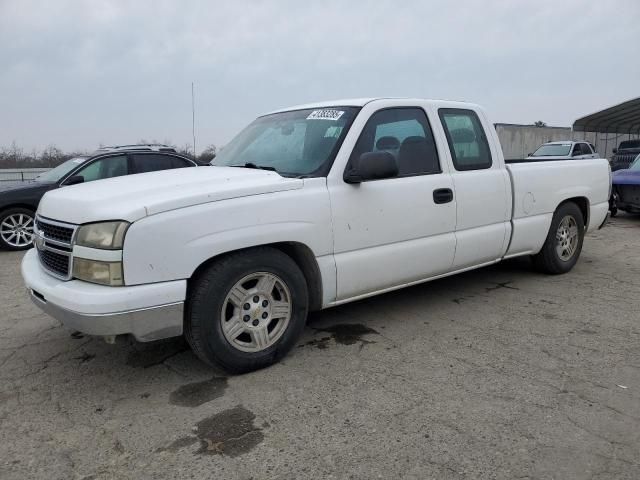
x: 172, y: 245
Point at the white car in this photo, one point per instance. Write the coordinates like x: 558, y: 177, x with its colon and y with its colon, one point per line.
x: 567, y: 150
x: 307, y: 208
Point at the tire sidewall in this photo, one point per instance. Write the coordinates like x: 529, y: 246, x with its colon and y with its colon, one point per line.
x: 206, y: 310
x: 12, y: 211
x: 568, y: 209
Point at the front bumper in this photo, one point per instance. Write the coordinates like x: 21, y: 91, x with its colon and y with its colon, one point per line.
x: 148, y: 312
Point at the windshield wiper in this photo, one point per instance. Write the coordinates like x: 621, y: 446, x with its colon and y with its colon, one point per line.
x: 253, y: 165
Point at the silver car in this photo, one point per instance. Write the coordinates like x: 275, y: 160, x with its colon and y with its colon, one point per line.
x: 565, y: 150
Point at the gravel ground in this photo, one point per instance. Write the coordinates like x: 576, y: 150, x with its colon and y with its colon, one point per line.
x: 496, y: 373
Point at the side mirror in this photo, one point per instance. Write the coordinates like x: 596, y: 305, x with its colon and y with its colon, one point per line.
x: 371, y: 166
x: 615, y: 150
x: 73, y: 180
x: 529, y: 154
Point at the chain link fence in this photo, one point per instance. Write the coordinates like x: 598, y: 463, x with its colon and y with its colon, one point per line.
x: 20, y: 174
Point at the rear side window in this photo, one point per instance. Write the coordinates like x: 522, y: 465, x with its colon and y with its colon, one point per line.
x: 152, y: 162
x: 106, y: 167
x: 466, y: 138
x: 406, y: 134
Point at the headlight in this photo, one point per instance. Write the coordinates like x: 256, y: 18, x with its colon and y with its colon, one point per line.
x: 105, y: 235
x: 104, y: 273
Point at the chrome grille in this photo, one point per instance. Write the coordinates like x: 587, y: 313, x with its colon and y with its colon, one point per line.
x: 622, y: 160
x: 55, y: 231
x: 54, y: 242
x: 55, y: 262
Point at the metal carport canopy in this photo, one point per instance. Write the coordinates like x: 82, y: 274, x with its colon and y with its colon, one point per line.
x: 622, y: 118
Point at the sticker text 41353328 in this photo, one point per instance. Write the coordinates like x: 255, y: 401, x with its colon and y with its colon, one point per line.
x: 325, y: 114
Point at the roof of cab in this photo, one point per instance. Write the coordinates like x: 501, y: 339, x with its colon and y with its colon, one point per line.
x: 361, y: 102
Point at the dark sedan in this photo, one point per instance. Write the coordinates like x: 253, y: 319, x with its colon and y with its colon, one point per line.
x: 19, y: 201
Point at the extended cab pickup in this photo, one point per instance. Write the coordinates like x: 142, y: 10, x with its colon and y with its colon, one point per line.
x: 307, y: 208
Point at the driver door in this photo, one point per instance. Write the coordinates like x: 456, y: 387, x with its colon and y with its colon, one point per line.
x: 394, y: 231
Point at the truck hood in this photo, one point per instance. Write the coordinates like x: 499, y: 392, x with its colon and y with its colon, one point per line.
x: 626, y: 177
x: 133, y: 197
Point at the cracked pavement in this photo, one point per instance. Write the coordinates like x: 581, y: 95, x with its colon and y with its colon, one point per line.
x: 498, y: 373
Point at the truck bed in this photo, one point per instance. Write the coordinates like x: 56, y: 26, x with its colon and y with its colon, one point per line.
x: 540, y: 186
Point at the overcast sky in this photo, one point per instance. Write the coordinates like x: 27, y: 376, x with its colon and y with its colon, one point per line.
x: 80, y: 73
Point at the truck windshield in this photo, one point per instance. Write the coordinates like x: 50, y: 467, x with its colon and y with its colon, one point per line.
x: 60, y: 171
x: 553, y: 150
x: 295, y: 143
x: 636, y: 164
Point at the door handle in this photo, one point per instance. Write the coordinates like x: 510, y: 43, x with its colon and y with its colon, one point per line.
x: 442, y: 195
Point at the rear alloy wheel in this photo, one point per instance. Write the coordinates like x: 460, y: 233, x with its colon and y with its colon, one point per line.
x: 246, y: 310
x: 563, y: 245
x: 16, y: 229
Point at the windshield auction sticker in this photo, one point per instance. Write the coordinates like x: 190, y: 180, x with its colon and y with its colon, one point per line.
x: 326, y: 114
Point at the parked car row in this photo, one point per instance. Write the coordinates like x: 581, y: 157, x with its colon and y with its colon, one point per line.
x: 19, y: 201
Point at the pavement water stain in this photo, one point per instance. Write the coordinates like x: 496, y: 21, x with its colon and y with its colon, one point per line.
x: 231, y: 432
x: 198, y: 393
x: 343, y: 334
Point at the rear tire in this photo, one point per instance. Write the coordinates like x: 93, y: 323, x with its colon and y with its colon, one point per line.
x: 563, y: 245
x: 16, y: 229
x: 246, y: 310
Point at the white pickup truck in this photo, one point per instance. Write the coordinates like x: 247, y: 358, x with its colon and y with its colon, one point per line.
x: 307, y: 208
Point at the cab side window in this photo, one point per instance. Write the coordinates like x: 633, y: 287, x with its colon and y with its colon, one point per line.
x: 466, y: 138
x: 577, y: 150
x: 406, y: 134
x: 107, y: 167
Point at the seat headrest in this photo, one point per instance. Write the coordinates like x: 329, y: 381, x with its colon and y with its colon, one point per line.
x: 388, y: 143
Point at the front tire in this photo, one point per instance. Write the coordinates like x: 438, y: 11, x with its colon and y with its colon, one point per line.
x: 563, y: 245
x: 16, y: 229
x: 246, y: 310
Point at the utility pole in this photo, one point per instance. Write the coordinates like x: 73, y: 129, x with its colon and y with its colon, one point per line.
x: 193, y: 120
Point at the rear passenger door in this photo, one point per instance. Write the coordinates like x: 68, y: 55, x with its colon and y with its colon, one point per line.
x: 393, y: 231
x: 483, y: 194
x: 153, y: 162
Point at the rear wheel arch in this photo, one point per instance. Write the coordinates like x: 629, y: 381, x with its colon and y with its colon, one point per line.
x: 583, y: 204
x: 300, y: 253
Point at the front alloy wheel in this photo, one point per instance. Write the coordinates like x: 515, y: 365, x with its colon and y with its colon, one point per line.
x: 247, y: 309
x: 256, y: 312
